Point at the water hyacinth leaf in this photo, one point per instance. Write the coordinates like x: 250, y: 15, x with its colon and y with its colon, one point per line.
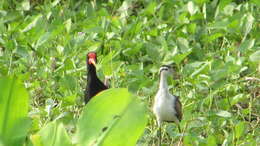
x: 237, y: 99
x: 180, y: 57
x: 54, y: 3
x: 214, y: 37
x: 183, y: 44
x: 14, y: 101
x: 239, y: 129
x: 248, y: 23
x: 224, y: 114
x: 150, y: 10
x: 191, y: 8
x: 53, y: 134
x: 247, y: 44
x: 211, y: 140
x: 108, y: 116
x: 32, y: 23
x: 24, y: 6
x: 68, y: 25
x: 255, y: 57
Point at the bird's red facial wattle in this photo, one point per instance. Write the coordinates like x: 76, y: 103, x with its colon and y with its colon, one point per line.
x: 92, y: 58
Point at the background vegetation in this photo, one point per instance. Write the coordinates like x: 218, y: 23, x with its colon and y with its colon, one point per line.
x: 213, y: 44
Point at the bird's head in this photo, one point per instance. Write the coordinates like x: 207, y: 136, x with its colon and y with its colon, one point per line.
x: 166, y: 70
x: 91, y: 58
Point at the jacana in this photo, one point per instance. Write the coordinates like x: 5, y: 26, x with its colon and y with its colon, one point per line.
x: 94, y: 85
x: 167, y: 107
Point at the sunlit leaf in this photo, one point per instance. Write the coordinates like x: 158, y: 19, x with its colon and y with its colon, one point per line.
x: 239, y: 129
x: 108, y: 116
x: 191, y: 8
x: 248, y: 23
x: 224, y: 114
x: 14, y: 105
x: 211, y: 140
x: 53, y: 134
x: 247, y: 44
x: 237, y: 99
x: 255, y: 57
x: 32, y: 23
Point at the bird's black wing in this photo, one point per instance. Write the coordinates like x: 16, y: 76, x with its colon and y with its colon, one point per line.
x: 178, y: 108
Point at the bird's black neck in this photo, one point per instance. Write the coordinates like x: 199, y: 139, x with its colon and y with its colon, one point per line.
x: 92, y: 71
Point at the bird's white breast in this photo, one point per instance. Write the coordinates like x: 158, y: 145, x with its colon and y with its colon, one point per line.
x: 164, y: 107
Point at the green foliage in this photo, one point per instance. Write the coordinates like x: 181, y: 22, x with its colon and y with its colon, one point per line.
x: 52, y: 134
x: 14, y: 100
x: 112, y: 119
x: 213, y: 44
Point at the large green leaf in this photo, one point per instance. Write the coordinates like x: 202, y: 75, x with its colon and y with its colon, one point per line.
x: 14, y: 122
x: 114, y: 117
x: 255, y: 57
x: 53, y: 134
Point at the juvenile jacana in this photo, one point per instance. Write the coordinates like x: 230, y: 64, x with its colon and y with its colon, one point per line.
x: 167, y: 107
x: 94, y: 85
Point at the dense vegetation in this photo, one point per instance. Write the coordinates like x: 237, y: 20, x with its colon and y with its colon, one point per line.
x: 214, y: 45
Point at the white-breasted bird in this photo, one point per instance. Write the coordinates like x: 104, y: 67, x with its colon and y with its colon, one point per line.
x: 166, y: 107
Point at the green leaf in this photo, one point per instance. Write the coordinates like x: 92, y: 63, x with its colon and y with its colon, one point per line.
x: 180, y: 57
x: 113, y: 117
x: 14, y: 101
x: 255, y: 57
x: 53, y: 134
x: 248, y: 24
x: 247, y: 44
x: 224, y: 114
x: 25, y: 5
x: 54, y: 3
x: 240, y: 128
x: 32, y: 23
x: 183, y: 44
x: 150, y: 10
x: 211, y: 140
x: 191, y: 8
x: 237, y: 99
x: 68, y: 25
x: 214, y: 37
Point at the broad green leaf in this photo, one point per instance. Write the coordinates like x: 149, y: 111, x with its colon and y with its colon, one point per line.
x: 214, y: 37
x: 228, y: 10
x: 248, y: 24
x: 224, y: 114
x: 68, y: 25
x: 54, y: 3
x: 180, y: 57
x: 247, y: 44
x: 32, y: 23
x: 14, y: 101
x: 191, y: 8
x: 211, y: 141
x: 239, y: 129
x: 183, y: 44
x: 150, y: 10
x: 237, y: 99
x: 113, y: 117
x: 255, y: 57
x: 53, y: 134
x: 24, y: 5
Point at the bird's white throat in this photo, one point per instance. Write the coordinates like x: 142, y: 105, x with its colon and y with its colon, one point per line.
x: 163, y: 82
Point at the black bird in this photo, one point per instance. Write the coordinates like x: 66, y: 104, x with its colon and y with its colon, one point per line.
x: 94, y: 85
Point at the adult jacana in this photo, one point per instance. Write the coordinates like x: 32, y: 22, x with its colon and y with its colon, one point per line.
x: 167, y: 107
x: 94, y: 85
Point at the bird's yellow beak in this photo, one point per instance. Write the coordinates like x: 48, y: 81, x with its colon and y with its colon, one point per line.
x: 92, y: 61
